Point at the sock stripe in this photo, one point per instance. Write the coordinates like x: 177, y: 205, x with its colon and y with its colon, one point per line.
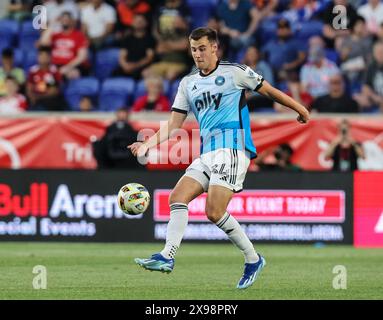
x: 178, y: 206
x: 223, y: 222
x: 231, y: 166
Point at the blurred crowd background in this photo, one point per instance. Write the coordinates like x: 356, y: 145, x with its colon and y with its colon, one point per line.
x: 101, y: 55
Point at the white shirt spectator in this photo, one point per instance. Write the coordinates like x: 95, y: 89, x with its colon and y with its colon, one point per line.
x: 55, y: 10
x: 13, y: 105
x: 373, y: 16
x: 97, y: 20
x: 316, y: 80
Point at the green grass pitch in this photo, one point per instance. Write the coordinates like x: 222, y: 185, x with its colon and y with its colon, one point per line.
x: 202, y: 271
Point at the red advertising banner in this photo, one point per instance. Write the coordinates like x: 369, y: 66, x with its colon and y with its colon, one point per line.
x: 310, y: 206
x: 368, y: 209
x: 64, y: 142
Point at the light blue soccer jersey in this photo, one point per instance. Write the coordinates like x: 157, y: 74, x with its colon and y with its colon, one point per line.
x: 219, y: 105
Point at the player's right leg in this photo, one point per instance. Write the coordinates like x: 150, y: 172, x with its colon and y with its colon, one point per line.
x: 185, y: 191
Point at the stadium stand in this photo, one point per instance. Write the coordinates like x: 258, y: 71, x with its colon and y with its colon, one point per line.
x: 116, y: 93
x: 76, y: 89
x: 22, y: 37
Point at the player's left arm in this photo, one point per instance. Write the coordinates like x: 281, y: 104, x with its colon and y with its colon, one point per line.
x: 269, y: 91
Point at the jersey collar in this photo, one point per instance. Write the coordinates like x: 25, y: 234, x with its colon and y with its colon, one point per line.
x: 205, y: 75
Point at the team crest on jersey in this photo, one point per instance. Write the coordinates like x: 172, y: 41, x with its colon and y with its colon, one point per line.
x: 219, y: 81
x: 251, y: 73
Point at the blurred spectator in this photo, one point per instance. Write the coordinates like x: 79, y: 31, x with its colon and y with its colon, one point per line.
x: 128, y: 9
x: 111, y: 150
x: 297, y: 92
x: 282, y: 159
x: 69, y: 48
x: 253, y: 60
x: 355, y: 51
x: 55, y: 9
x: 43, y: 86
x: 137, y: 50
x: 372, y: 91
x: 379, y: 34
x: 8, y: 69
x: 223, y: 40
x: 372, y: 12
x: 285, y: 54
x: 301, y: 10
x: 337, y: 100
x: 239, y: 20
x: 333, y: 28
x: 315, y: 73
x: 344, y: 150
x: 171, y: 18
x: 172, y: 49
x: 12, y: 102
x: 20, y: 9
x: 265, y: 8
x: 98, y: 20
x: 86, y: 104
x: 155, y: 99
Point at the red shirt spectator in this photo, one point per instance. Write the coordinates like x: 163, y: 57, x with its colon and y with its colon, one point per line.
x: 69, y: 48
x: 41, y: 79
x: 154, y: 99
x: 65, y: 46
x: 142, y: 103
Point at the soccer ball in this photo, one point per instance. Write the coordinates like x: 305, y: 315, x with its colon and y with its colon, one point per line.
x: 133, y: 198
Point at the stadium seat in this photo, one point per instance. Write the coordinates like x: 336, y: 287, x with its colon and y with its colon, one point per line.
x: 76, y: 89
x: 28, y: 36
x: 310, y: 28
x: 105, y: 62
x: 30, y: 59
x: 8, y: 32
x: 5, y: 43
x: 141, y: 89
x: 115, y: 93
x: 332, y: 55
x: 18, y: 57
x: 268, y: 29
x: 173, y: 90
x: 200, y: 11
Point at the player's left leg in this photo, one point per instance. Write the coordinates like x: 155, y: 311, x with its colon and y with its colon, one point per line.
x: 228, y: 171
x: 217, y: 202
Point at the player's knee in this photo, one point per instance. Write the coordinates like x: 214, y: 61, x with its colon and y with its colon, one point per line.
x: 176, y: 197
x: 213, y: 213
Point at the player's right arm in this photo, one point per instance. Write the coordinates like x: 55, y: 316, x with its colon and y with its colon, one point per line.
x: 178, y: 115
x: 175, y: 122
x: 269, y: 91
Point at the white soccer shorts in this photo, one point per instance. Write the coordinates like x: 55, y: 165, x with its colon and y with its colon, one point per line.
x: 224, y: 167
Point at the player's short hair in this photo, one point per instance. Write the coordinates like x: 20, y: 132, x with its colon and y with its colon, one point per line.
x: 199, y: 33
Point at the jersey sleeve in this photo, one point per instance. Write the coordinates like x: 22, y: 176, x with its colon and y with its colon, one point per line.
x: 181, y: 103
x: 246, y: 78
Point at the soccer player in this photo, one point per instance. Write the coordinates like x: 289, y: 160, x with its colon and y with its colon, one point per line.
x: 215, y: 92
